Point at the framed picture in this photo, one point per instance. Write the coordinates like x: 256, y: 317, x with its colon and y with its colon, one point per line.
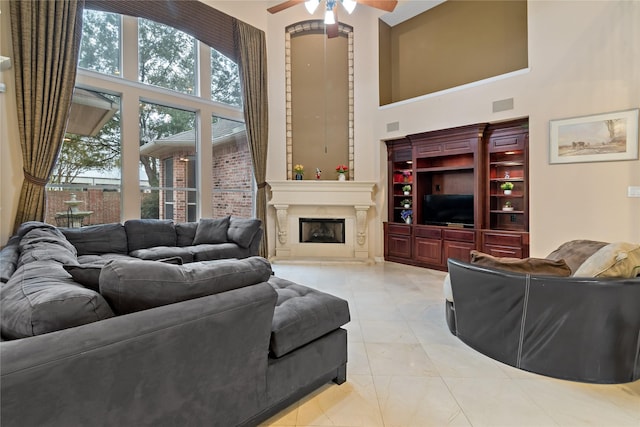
x: 597, y: 138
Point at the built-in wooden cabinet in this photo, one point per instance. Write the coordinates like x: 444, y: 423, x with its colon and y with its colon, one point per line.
x: 457, y: 200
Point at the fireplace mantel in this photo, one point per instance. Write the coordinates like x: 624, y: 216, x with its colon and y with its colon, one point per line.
x: 350, y: 200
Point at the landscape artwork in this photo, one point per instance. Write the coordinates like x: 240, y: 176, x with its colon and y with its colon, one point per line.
x: 601, y: 137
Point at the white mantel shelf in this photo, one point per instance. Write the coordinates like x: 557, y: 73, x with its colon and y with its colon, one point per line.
x: 312, y: 192
x: 293, y: 200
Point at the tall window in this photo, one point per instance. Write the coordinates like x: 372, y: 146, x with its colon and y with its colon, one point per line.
x: 225, y: 80
x: 157, y: 69
x: 167, y: 147
x: 85, y: 184
x: 166, y: 57
x: 100, y: 47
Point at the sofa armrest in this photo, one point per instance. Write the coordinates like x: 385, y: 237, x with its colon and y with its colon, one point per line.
x: 197, y: 362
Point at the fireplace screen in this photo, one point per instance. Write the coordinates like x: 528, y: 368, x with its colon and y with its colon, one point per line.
x: 321, y: 230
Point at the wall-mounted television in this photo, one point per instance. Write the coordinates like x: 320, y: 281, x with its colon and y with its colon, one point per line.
x: 448, y: 209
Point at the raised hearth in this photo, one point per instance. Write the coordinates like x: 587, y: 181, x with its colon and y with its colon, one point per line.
x: 344, y: 202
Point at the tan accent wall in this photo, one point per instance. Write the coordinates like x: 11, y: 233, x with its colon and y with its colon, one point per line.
x: 319, y: 103
x: 455, y: 43
x: 384, y: 62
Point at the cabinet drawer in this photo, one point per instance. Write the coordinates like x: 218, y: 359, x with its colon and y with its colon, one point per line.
x: 511, y: 142
x: 404, y: 230
x: 428, y: 251
x: 503, y: 239
x: 502, y: 251
x: 460, y: 235
x: 430, y: 233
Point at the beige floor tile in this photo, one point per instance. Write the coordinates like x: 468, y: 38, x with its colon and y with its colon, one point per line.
x: 352, y: 404
x: 497, y: 402
x: 462, y: 362
x: 399, y: 359
x: 387, y: 331
x: 417, y: 402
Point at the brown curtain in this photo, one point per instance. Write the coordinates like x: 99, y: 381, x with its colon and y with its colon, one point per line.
x: 46, y: 39
x: 252, y: 61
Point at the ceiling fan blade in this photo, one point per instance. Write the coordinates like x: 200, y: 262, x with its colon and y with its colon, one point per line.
x: 284, y: 5
x: 386, y: 5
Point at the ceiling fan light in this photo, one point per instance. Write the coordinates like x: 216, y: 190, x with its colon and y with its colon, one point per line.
x: 329, y: 19
x: 349, y: 5
x: 311, y: 5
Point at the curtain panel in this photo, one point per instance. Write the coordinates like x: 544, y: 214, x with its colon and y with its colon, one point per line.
x: 46, y: 40
x: 252, y: 62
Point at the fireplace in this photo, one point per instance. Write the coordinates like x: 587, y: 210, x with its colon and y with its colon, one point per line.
x: 321, y: 230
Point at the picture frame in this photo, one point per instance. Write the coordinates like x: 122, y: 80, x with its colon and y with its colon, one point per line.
x: 595, y: 138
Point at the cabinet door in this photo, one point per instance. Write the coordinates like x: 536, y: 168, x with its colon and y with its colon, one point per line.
x: 458, y: 250
x: 428, y: 251
x: 399, y: 246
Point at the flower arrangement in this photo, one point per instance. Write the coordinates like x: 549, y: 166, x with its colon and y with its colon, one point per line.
x: 342, y: 168
x: 299, y: 169
x: 406, y: 188
x: 406, y: 203
x: 406, y: 215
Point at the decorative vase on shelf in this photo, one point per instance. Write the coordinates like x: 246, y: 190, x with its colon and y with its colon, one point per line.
x: 507, y: 192
x: 298, y: 177
x: 341, y: 177
x: 408, y: 220
x: 407, y: 205
x: 406, y: 193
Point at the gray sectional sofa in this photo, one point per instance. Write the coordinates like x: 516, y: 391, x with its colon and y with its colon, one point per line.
x: 151, y: 338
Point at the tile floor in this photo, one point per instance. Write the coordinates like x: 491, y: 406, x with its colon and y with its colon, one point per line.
x: 406, y: 370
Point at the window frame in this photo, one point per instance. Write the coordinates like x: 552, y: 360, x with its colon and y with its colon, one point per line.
x: 132, y: 92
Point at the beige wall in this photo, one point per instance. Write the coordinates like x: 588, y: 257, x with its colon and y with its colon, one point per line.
x: 584, y: 58
x: 453, y: 44
x: 320, y: 103
x: 10, y: 155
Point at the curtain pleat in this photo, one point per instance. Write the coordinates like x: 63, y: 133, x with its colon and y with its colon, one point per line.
x: 252, y: 61
x: 46, y: 39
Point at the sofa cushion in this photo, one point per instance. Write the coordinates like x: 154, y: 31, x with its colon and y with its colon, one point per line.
x: 101, y: 259
x: 46, y: 244
x: 148, y: 233
x: 243, y: 230
x: 41, y: 297
x: 618, y: 259
x: 302, y: 315
x: 185, y: 233
x: 576, y: 252
x: 9, y: 259
x: 211, y: 230
x: 161, y: 252
x: 88, y: 275
x: 537, y: 266
x: 98, y: 239
x: 207, y: 252
x: 135, y: 285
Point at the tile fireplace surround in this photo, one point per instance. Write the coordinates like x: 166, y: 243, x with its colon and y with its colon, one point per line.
x: 348, y: 200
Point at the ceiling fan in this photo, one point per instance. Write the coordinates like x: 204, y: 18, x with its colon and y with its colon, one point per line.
x: 330, y: 17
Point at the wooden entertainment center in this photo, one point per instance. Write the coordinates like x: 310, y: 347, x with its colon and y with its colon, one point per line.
x: 457, y: 198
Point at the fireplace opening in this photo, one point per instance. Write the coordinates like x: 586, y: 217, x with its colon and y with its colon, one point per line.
x: 321, y: 230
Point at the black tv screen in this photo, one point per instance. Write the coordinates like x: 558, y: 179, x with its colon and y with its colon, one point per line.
x: 447, y: 209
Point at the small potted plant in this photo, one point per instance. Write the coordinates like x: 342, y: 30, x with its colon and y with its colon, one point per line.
x: 299, y: 170
x: 406, y: 215
x: 507, y: 206
x: 342, y: 171
x: 406, y: 189
x: 406, y: 203
x: 507, y: 187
